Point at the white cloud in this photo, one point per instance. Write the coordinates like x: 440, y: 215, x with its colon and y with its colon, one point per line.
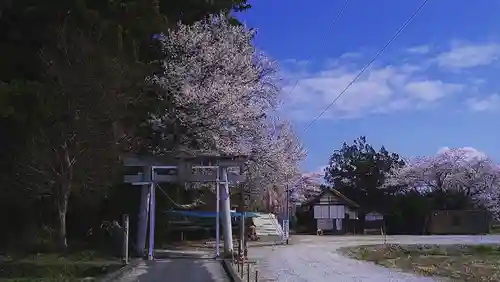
x: 411, y: 83
x: 422, y: 49
x: 462, y: 56
x: 489, y: 103
x: 431, y: 90
x: 380, y: 89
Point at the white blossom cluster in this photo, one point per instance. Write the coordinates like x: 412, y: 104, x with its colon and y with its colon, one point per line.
x: 275, y: 162
x: 217, y: 85
x: 453, y: 170
x: 308, y: 186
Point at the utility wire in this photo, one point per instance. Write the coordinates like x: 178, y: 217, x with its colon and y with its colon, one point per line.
x: 398, y: 32
x: 337, y: 17
x: 339, y: 14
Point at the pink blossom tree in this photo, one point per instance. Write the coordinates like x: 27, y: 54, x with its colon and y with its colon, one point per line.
x: 218, y: 93
x: 215, y: 87
x: 276, y: 155
x: 454, y: 170
x: 308, y: 185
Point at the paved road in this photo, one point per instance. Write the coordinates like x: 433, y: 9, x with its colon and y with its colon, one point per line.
x: 182, y: 270
x: 316, y: 259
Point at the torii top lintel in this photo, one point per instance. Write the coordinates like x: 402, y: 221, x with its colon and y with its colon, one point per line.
x: 183, y: 158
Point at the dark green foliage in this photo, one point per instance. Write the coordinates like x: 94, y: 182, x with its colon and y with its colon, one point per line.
x: 358, y: 171
x: 70, y: 71
x: 189, y: 11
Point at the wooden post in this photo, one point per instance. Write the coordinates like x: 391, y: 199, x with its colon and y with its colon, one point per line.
x: 248, y: 272
x: 287, y: 213
x: 245, y: 250
x: 242, y: 268
x: 125, y: 238
x: 242, y: 221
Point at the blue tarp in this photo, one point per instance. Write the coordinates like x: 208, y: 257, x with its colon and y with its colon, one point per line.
x: 211, y: 214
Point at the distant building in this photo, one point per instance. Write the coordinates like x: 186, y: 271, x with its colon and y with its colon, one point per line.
x: 373, y: 223
x: 331, y: 212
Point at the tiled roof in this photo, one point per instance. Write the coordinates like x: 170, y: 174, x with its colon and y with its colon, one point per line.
x: 336, y: 193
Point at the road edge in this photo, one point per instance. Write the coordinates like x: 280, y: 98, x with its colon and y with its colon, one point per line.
x: 230, y: 271
x: 115, y: 275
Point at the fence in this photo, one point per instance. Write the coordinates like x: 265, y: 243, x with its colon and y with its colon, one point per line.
x: 244, y: 270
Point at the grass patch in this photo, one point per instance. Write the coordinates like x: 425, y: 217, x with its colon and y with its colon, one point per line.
x: 458, y: 262
x: 495, y: 229
x: 55, y: 267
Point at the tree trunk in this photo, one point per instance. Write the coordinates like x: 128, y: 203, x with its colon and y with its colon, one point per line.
x: 63, y: 197
x: 62, y: 243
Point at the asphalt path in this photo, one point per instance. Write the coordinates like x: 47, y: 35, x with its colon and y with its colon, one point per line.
x: 177, y: 270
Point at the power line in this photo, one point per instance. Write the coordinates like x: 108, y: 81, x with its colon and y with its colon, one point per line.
x: 339, y: 14
x: 368, y: 64
x: 405, y: 24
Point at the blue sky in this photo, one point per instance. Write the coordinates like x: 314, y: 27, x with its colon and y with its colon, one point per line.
x: 437, y: 85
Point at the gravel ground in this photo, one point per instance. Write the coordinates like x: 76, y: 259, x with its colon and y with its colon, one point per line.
x: 200, y: 270
x: 316, y: 259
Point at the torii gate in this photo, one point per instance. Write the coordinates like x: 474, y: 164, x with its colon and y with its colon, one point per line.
x: 181, y: 168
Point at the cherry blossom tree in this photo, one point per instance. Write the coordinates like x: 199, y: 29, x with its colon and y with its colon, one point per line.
x: 453, y: 170
x: 308, y: 185
x: 215, y: 87
x: 275, y: 158
x: 218, y: 93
